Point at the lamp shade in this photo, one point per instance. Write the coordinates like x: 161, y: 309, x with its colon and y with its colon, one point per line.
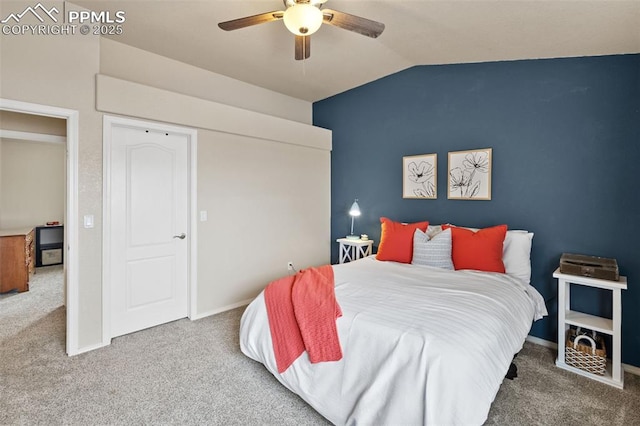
x: 303, y: 19
x: 355, y: 209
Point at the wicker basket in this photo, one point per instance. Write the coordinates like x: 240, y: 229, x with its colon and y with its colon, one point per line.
x: 585, y: 356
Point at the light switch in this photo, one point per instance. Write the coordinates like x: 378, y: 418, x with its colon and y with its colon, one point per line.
x: 203, y: 215
x: 88, y: 221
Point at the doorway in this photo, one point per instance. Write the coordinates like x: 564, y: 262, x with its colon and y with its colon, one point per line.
x: 149, y: 231
x: 70, y: 208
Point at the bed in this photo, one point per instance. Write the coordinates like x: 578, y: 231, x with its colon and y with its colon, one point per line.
x: 420, y: 344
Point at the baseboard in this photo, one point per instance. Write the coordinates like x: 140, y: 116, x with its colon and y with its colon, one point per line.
x: 87, y: 349
x: 220, y: 310
x: 546, y: 343
x: 541, y: 342
x: 631, y: 369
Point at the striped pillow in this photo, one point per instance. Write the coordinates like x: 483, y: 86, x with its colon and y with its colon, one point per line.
x: 435, y: 252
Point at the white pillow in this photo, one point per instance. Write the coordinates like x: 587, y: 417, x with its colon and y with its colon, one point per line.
x: 432, y: 252
x: 433, y: 230
x: 516, y: 254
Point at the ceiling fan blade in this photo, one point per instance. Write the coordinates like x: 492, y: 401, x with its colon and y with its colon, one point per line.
x: 303, y: 47
x: 248, y: 21
x: 354, y: 23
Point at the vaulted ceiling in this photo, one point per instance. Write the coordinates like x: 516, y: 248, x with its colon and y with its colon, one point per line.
x: 416, y: 33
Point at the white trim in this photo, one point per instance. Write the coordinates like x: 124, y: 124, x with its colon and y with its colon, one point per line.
x: 553, y: 345
x: 193, y: 223
x: 32, y: 137
x: 631, y: 369
x: 71, y: 263
x: 222, y: 309
x: 106, y: 231
x: 192, y: 286
x: 541, y: 342
x: 90, y: 348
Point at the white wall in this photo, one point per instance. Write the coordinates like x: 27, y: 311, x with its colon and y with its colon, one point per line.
x: 32, y: 183
x: 268, y: 203
x: 61, y: 71
x: 139, y: 66
x: 10, y: 120
x: 32, y: 174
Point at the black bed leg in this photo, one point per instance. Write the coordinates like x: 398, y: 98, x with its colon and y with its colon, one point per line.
x: 513, y: 372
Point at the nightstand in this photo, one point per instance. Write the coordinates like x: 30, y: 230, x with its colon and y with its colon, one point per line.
x: 354, y: 249
x: 614, y: 374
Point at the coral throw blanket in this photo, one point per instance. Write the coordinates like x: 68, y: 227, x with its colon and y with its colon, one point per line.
x: 302, y: 311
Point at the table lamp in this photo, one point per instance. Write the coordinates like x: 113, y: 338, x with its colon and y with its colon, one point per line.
x: 353, y: 212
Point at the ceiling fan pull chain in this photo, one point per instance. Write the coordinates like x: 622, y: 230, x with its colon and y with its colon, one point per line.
x: 304, y: 59
x: 304, y: 68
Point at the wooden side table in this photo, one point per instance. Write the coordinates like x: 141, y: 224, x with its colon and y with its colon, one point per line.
x: 614, y: 374
x: 354, y: 249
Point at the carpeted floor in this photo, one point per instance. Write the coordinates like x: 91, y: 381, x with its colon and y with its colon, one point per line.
x: 194, y: 373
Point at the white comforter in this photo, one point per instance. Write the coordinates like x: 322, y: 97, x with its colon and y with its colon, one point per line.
x: 421, y: 345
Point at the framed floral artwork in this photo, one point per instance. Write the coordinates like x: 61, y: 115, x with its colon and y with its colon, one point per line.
x: 419, y: 176
x: 469, y: 176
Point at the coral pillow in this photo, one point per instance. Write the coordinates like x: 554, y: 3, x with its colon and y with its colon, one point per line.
x: 396, y: 240
x: 481, y: 250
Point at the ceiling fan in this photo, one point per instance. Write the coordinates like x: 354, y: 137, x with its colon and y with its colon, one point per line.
x: 303, y: 18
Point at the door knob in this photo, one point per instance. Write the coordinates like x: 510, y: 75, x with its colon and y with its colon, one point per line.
x: 181, y: 236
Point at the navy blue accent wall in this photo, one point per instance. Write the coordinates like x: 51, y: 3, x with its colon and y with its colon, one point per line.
x: 565, y: 135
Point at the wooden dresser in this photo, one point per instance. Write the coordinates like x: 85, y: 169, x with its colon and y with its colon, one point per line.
x: 17, y: 254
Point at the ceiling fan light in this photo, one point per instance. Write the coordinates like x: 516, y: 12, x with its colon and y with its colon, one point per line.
x: 303, y: 19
